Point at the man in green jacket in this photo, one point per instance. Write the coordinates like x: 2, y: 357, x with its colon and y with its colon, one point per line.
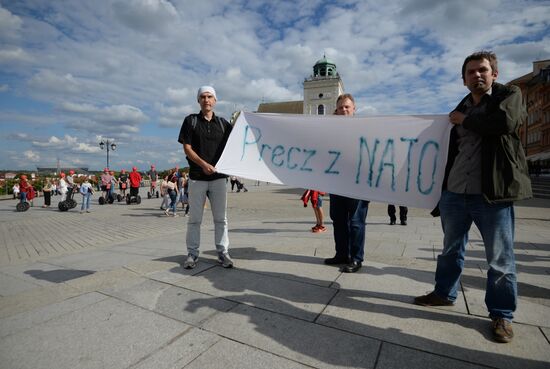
x: 486, y: 171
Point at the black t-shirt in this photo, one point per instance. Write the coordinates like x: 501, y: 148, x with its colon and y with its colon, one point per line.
x: 207, y: 139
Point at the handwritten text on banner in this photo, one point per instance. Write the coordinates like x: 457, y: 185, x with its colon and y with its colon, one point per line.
x: 393, y: 159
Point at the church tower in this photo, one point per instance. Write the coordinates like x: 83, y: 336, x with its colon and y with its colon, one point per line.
x: 322, y: 88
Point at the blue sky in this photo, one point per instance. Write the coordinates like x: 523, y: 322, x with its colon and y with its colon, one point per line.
x: 72, y: 72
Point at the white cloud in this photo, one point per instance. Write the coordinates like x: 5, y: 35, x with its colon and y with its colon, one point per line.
x: 47, y: 81
x: 10, y: 25
x: 67, y: 143
x: 14, y: 55
x: 179, y: 95
x: 32, y: 156
x: 145, y: 15
x: 126, y: 68
x: 115, y: 119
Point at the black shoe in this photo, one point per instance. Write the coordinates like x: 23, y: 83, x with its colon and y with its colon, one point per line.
x: 352, y: 267
x: 336, y: 260
x: 431, y: 299
x: 392, y: 221
x: 403, y: 222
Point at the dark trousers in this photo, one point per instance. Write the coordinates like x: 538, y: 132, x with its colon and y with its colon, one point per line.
x: 134, y: 191
x: 348, y: 219
x: 403, y: 210
x: 47, y: 198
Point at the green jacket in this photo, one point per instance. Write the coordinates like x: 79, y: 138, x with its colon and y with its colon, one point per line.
x: 505, y: 175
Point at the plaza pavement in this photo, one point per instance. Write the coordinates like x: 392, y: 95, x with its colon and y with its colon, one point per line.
x: 106, y: 290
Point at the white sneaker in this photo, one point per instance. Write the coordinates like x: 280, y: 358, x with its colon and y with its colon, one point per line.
x: 190, y: 263
x: 225, y: 260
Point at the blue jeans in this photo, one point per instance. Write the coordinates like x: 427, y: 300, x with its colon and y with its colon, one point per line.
x: 217, y: 194
x: 85, y: 201
x: 22, y: 197
x: 496, y: 224
x: 173, y: 200
x: 348, y: 219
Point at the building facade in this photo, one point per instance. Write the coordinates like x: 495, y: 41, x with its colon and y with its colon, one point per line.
x: 321, y: 90
x: 535, y: 132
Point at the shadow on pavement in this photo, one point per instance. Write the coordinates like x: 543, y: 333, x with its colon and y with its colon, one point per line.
x: 262, y: 296
x: 58, y: 275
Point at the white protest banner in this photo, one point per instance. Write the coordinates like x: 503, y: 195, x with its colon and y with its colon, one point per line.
x: 393, y: 159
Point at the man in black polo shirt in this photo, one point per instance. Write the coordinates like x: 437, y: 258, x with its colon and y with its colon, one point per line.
x: 204, y: 136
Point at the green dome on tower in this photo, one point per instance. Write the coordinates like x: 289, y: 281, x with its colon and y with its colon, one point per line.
x: 324, y: 68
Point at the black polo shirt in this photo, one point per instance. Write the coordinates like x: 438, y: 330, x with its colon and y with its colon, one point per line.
x: 207, y: 139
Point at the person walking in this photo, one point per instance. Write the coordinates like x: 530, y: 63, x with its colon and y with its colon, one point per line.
x: 486, y: 171
x: 348, y: 215
x: 172, y: 191
x: 203, y: 137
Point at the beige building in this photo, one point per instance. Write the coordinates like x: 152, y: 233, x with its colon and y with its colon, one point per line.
x: 321, y: 90
x: 535, y: 133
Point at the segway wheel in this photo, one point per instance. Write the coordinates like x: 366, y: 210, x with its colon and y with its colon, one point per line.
x: 149, y: 195
x: 63, y: 206
x: 111, y: 199
x: 119, y: 197
x: 157, y: 194
x: 138, y: 199
x: 22, y: 206
x: 71, y: 203
x: 101, y: 200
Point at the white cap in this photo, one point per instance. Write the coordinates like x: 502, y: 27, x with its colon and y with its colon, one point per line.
x: 204, y: 89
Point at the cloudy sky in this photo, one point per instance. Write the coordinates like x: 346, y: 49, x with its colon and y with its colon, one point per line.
x: 72, y: 72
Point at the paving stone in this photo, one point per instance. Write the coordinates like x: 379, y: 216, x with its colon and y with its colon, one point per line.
x: 435, y: 331
x: 232, y: 355
x: 29, y: 319
x: 393, y: 283
x: 107, y: 334
x: 182, y: 351
x: 528, y: 310
x: 295, y: 339
x: 546, y: 332
x: 398, y: 357
x: 302, y: 300
x: 10, y: 285
x: 98, y: 260
x: 34, y: 298
x: 420, y: 249
x: 291, y: 265
x: 175, y: 302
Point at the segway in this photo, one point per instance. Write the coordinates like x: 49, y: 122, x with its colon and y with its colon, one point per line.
x: 102, y: 200
x: 133, y: 199
x: 119, y: 196
x: 22, y: 206
x: 69, y: 202
x: 151, y: 194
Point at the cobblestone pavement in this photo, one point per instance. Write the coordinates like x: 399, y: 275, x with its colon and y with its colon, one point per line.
x: 74, y: 286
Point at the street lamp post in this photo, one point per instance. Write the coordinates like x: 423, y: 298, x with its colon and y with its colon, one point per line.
x: 106, y: 144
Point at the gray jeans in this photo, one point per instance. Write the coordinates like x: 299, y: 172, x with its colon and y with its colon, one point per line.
x: 217, y: 194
